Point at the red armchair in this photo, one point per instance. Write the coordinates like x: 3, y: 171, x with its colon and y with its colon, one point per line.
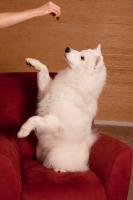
x: 23, y: 177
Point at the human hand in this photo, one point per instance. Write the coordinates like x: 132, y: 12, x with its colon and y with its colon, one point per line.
x: 49, y: 8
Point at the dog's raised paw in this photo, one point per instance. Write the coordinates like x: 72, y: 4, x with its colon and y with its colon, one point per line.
x: 29, y: 61
x: 29, y: 64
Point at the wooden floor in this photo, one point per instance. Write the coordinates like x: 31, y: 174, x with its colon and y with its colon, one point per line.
x: 124, y: 134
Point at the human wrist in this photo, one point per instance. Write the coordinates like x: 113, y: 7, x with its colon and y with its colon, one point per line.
x: 35, y: 12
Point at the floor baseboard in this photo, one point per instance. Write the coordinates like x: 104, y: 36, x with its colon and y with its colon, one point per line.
x: 113, y: 123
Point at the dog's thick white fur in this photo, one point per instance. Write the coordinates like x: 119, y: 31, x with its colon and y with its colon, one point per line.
x: 66, y: 107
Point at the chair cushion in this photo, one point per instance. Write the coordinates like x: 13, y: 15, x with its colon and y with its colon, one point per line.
x: 41, y: 183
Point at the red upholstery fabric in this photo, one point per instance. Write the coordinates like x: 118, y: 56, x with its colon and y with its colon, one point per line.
x: 23, y: 177
x: 111, y: 160
x: 17, y: 104
x: 10, y: 168
x: 44, y: 183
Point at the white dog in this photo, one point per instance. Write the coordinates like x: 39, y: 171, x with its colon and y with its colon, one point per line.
x: 66, y: 107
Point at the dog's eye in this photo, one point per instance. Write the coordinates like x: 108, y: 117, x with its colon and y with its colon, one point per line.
x: 82, y: 58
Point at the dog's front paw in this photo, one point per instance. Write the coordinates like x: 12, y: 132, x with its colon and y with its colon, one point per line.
x: 36, y: 64
x: 31, y: 62
x: 24, y: 132
x: 28, y: 62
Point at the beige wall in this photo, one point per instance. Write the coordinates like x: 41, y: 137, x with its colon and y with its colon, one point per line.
x: 83, y: 23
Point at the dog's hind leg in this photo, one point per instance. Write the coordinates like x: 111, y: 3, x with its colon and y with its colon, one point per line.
x: 43, y: 77
x: 49, y: 123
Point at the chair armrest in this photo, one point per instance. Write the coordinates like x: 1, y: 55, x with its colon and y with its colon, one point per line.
x: 10, y: 171
x: 111, y: 161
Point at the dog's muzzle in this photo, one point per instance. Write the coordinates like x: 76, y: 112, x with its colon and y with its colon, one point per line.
x: 67, y: 50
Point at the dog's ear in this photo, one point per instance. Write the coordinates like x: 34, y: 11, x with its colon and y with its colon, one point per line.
x: 98, y: 49
x: 98, y: 61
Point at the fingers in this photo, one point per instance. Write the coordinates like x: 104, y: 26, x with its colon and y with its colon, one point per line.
x: 55, y: 16
x: 50, y: 8
x: 54, y: 9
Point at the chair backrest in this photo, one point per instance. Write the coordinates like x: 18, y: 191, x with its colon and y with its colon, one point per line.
x: 18, y: 97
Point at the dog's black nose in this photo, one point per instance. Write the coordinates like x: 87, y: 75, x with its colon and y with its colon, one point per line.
x: 67, y: 50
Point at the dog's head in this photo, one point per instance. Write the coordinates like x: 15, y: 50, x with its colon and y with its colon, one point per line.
x: 90, y: 59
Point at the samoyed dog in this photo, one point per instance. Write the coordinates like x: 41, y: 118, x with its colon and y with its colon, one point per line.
x: 66, y: 108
